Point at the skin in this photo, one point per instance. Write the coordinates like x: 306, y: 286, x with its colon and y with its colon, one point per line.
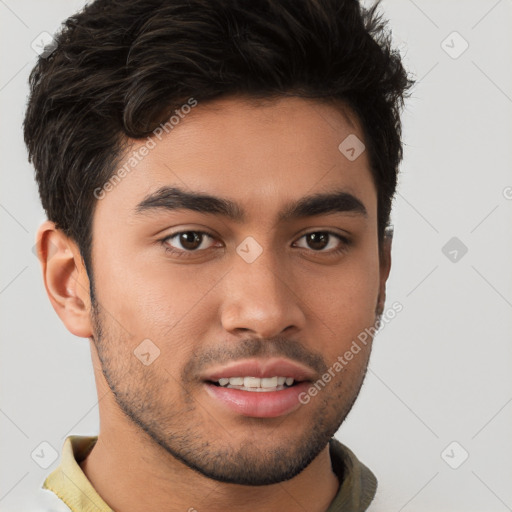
x: 294, y: 300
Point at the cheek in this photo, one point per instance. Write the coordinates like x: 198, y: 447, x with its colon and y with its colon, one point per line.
x: 160, y: 302
x: 343, y: 303
x: 349, y: 291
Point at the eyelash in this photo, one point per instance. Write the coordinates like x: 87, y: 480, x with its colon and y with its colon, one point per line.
x: 346, y: 243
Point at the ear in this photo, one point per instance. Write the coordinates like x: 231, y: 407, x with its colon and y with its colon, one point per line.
x: 65, y: 278
x: 385, y: 267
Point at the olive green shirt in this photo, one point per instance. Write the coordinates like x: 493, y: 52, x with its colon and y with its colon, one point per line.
x: 69, y: 483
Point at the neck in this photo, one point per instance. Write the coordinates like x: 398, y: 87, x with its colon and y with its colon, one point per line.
x: 131, y: 473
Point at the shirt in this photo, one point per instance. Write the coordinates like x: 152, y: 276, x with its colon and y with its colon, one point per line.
x: 68, y: 482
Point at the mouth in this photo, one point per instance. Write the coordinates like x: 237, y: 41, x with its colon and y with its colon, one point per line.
x: 254, y: 400
x: 258, y: 388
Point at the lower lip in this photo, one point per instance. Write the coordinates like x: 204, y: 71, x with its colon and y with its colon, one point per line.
x: 256, y: 404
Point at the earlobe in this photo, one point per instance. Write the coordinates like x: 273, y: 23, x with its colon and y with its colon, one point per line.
x: 65, y: 279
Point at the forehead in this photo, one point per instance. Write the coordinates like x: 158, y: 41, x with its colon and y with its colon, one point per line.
x: 259, y: 154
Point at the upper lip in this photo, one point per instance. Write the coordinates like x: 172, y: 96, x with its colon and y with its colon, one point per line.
x: 275, y: 367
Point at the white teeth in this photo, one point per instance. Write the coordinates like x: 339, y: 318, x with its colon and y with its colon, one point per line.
x: 268, y: 382
x: 256, y: 383
x: 252, y: 382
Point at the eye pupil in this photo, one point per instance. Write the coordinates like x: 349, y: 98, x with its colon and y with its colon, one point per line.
x: 189, y: 238
x: 315, y: 238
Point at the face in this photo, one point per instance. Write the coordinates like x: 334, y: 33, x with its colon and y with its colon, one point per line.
x: 253, y: 282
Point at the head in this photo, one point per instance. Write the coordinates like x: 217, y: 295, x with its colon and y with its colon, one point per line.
x: 218, y: 179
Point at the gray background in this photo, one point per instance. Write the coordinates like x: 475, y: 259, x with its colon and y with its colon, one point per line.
x: 440, y: 371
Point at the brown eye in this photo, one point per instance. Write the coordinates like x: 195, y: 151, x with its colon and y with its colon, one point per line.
x: 320, y: 240
x: 190, y: 240
x: 187, y: 241
x: 317, y: 241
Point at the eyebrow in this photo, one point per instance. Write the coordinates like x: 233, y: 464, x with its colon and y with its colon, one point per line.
x: 173, y: 198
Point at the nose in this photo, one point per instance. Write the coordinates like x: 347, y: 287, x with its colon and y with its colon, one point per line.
x: 261, y: 298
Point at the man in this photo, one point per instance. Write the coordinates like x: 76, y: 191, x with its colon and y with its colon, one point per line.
x: 218, y: 178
